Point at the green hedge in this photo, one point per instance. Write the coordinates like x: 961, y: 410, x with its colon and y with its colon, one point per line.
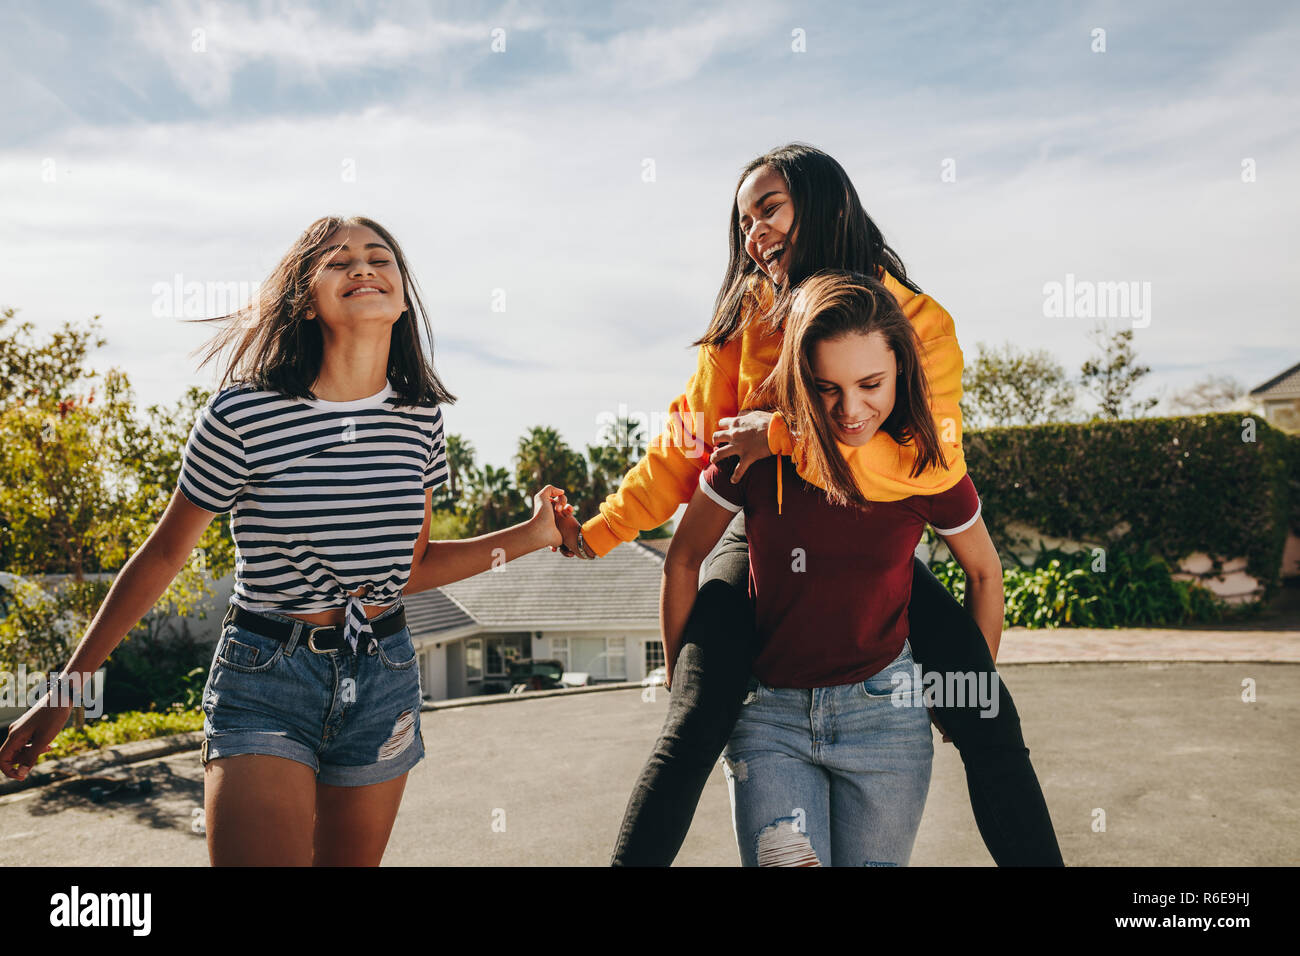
x: 123, y: 728
x: 1180, y: 485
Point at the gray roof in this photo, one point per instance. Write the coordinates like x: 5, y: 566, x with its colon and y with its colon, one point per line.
x: 547, y: 591
x: 1283, y: 385
x: 433, y: 610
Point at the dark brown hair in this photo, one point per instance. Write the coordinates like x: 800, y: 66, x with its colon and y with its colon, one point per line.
x: 829, y: 306
x: 834, y: 230
x: 276, y: 348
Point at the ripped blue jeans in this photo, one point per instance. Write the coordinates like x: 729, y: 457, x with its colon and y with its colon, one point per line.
x: 830, y: 776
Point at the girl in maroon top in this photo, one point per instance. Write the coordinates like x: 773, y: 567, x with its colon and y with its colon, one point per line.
x: 829, y: 763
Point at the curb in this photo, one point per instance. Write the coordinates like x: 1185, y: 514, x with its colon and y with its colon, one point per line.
x: 531, y: 695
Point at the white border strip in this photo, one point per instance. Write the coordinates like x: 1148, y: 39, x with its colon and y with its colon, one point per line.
x: 717, y: 498
x: 979, y: 504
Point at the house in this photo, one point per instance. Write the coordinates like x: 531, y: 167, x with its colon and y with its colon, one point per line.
x: 596, y: 617
x: 1280, y: 398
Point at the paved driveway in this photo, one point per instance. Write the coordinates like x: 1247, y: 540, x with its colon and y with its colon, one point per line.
x: 1186, y: 773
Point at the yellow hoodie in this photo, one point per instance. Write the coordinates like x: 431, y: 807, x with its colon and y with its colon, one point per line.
x: 668, y: 474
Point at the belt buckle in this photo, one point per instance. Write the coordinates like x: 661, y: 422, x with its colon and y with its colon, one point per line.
x: 311, y: 640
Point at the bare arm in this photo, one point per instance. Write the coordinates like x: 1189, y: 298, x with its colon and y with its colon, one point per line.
x: 975, y: 552
x: 443, y: 562
x: 701, y: 526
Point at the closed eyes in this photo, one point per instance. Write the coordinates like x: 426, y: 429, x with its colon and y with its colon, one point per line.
x: 375, y: 262
x: 826, y: 390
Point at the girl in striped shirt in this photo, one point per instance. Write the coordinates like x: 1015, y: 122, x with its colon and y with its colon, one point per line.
x: 325, y: 448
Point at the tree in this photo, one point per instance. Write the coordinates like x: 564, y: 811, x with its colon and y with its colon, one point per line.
x: 29, y: 372
x: 1112, y: 377
x: 460, y: 462
x: 84, y: 483
x: 544, y: 458
x: 622, y: 443
x: 490, y: 502
x: 1213, y: 393
x: 1009, y: 386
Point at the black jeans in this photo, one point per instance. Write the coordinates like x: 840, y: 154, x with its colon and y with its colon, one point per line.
x: 709, y: 680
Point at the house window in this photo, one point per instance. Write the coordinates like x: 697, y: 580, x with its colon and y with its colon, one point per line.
x: 474, y: 659
x: 654, y: 655
x: 616, y: 658
x: 603, y: 658
x: 503, y: 649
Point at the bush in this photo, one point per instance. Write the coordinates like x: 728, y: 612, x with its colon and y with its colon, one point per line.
x: 149, y: 673
x: 133, y: 725
x: 1059, y: 589
x: 1167, y: 486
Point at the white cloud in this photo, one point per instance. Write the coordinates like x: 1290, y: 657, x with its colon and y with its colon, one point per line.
x: 535, y: 188
x: 204, y: 44
x: 649, y: 57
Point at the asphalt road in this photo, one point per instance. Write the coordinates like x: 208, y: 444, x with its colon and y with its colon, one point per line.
x: 1184, y: 770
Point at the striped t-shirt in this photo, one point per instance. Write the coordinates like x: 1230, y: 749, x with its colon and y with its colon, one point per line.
x: 324, y: 497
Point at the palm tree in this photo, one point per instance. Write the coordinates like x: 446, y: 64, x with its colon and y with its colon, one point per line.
x: 490, y: 501
x: 622, y: 445
x: 545, y: 459
x: 460, y: 461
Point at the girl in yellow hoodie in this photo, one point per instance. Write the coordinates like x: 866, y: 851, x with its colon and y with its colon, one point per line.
x: 797, y: 212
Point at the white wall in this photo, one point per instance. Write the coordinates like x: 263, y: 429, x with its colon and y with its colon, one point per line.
x: 433, y: 670
x: 634, y: 640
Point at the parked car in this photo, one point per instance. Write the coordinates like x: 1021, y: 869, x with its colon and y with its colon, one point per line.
x: 528, y: 674
x: 656, y: 678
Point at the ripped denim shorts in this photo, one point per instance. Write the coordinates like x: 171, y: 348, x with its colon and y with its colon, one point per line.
x: 353, y: 718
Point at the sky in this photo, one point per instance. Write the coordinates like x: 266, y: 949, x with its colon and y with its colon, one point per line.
x: 577, y: 165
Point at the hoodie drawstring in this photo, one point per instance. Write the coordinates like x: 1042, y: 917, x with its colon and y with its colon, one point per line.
x: 778, y: 482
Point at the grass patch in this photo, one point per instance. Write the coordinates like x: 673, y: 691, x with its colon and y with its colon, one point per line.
x: 123, y: 728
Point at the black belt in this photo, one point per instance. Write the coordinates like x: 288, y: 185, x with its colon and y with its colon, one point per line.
x: 319, y: 638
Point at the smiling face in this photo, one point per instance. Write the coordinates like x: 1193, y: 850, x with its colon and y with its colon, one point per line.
x: 766, y: 218
x: 857, y: 378
x: 360, y: 281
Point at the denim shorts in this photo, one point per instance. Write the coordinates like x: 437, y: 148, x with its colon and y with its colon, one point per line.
x: 353, y: 718
x: 830, y: 776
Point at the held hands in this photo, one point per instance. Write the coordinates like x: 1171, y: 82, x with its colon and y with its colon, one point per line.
x: 30, y: 736
x: 549, y: 505
x: 569, y: 527
x: 561, y: 530
x: 743, y: 437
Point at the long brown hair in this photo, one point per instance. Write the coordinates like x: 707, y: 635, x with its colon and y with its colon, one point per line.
x: 828, y: 306
x: 834, y: 229
x: 276, y: 348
